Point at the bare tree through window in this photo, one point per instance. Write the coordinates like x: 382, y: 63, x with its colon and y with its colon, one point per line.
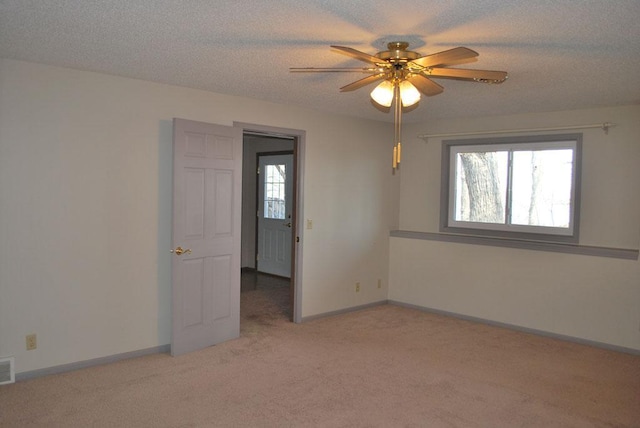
x: 481, y: 196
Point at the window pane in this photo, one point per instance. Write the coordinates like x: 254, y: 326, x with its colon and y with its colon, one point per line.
x: 481, y: 186
x: 542, y: 182
x: 522, y: 187
x: 274, y: 194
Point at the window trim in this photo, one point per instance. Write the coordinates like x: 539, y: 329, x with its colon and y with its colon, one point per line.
x: 445, y: 188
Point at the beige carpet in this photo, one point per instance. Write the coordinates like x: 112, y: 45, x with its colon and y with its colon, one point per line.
x: 386, y: 366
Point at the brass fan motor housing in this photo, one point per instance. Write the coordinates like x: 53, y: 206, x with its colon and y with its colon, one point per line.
x: 397, y: 53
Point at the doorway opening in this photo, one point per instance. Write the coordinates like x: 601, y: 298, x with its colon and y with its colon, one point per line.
x: 271, y: 206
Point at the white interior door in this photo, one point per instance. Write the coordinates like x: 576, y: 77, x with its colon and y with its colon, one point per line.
x: 275, y: 198
x: 207, y: 171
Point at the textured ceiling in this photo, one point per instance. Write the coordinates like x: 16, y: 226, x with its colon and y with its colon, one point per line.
x: 560, y: 54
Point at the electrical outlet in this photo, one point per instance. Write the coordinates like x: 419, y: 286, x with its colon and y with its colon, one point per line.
x: 32, y: 342
x: 357, y: 287
x: 379, y: 283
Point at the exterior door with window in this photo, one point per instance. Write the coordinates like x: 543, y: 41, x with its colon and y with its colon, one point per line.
x: 275, y: 197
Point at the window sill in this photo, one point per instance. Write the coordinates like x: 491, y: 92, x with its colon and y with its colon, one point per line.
x: 616, y: 253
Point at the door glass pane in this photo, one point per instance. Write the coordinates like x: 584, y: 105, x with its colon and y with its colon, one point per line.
x: 481, y: 186
x: 542, y: 181
x: 274, y: 193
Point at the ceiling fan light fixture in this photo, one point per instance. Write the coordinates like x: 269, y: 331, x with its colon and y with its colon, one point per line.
x: 397, y: 65
x: 383, y: 94
x: 408, y: 93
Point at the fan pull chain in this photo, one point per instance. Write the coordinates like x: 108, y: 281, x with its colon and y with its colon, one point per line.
x: 397, y: 145
x: 395, y: 157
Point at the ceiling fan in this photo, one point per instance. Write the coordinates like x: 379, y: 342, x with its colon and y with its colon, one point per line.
x: 405, y: 74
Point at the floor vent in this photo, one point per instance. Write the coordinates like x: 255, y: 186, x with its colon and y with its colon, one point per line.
x: 7, y: 371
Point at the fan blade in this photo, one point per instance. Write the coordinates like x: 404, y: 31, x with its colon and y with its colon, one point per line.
x: 332, y: 70
x: 362, y: 82
x: 485, y: 76
x: 359, y: 55
x: 445, y: 57
x: 425, y: 85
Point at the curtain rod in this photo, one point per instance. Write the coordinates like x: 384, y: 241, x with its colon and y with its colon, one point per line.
x: 604, y: 126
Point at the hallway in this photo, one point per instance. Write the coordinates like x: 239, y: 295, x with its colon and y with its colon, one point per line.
x: 264, y: 301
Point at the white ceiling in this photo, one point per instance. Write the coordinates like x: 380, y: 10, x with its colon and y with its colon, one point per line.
x: 560, y: 54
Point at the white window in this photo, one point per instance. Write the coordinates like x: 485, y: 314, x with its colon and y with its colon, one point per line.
x: 274, y: 192
x: 522, y: 187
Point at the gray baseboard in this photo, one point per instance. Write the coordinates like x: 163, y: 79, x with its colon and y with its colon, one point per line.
x: 344, y: 311
x: 521, y: 329
x: 163, y: 349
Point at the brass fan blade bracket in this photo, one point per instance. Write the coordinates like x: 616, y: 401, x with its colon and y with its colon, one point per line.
x: 334, y: 70
x: 455, y: 55
x: 362, y: 82
x: 482, y: 76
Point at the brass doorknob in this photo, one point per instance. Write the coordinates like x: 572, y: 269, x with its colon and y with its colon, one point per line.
x: 180, y: 251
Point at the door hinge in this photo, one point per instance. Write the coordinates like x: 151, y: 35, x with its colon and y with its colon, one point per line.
x: 258, y: 171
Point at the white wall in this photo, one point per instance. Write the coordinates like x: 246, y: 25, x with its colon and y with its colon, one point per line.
x: 85, y: 208
x: 587, y: 297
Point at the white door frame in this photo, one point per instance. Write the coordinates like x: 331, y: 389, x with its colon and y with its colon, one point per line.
x: 298, y: 231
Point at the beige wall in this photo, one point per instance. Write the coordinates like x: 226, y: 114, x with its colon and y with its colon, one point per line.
x: 85, y: 208
x: 586, y: 297
x: 85, y: 218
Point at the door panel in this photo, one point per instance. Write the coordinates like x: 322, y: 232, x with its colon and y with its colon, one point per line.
x: 193, y: 277
x: 194, y: 203
x: 222, y: 296
x: 222, y: 221
x: 206, y: 225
